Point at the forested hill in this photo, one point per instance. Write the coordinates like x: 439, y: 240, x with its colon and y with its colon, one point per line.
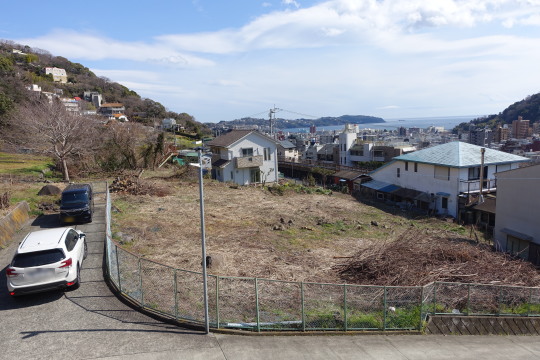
x: 301, y: 123
x: 22, y: 66
x: 528, y: 108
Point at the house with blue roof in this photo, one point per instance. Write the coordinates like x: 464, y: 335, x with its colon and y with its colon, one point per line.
x: 436, y: 178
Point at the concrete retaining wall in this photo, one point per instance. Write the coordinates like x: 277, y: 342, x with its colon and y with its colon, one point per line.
x: 13, y: 222
x: 483, y: 325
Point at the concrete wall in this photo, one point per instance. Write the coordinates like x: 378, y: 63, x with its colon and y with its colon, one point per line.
x: 518, y: 201
x: 13, y: 222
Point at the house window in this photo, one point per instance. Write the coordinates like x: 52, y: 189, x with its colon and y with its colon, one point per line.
x: 398, y: 172
x: 517, y: 247
x: 444, y: 203
x: 415, y: 167
x: 247, y: 152
x: 442, y: 173
x: 232, y: 175
x: 267, y: 154
x: 406, y: 166
x: 255, y: 176
x: 474, y: 173
x: 378, y: 153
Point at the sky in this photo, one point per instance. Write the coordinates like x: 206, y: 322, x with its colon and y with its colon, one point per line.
x: 224, y: 60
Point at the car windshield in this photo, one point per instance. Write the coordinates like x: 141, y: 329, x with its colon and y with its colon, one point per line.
x: 74, y: 198
x: 38, y: 258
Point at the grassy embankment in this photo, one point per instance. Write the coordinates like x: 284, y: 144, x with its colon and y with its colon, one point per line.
x: 28, y: 166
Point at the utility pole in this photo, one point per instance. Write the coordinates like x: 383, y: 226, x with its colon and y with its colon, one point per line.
x: 272, y: 118
x: 481, y: 197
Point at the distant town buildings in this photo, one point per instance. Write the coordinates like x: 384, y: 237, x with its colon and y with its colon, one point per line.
x: 59, y: 75
x: 520, y: 128
x: 480, y: 137
x: 502, y: 133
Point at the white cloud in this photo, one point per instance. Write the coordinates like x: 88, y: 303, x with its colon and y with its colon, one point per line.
x: 291, y: 2
x: 95, y: 47
x: 336, y: 57
x: 266, y: 4
x: 225, y: 83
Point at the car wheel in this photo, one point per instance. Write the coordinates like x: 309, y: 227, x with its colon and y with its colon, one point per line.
x: 78, y: 280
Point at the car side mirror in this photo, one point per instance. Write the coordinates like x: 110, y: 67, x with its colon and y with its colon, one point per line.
x: 82, y: 235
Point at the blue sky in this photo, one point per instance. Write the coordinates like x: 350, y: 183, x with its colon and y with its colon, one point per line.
x: 222, y: 60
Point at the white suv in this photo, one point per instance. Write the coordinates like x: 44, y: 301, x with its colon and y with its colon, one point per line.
x: 46, y: 260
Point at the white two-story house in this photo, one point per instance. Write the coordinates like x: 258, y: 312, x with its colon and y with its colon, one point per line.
x: 244, y: 157
x: 435, y: 178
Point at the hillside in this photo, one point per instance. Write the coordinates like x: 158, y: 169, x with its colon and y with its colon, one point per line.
x: 529, y: 108
x: 22, y: 66
x: 301, y: 123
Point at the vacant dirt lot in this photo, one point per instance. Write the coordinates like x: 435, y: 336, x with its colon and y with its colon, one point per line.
x: 252, y: 232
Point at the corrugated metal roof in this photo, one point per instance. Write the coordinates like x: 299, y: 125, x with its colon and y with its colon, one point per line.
x: 489, y: 205
x: 459, y: 154
x: 390, y: 188
x: 348, y: 174
x: 376, y: 184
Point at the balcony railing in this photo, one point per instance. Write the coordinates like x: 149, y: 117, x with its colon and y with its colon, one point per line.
x: 473, y: 186
x: 249, y: 161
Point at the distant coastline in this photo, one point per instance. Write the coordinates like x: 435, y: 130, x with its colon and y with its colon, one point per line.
x: 447, y: 122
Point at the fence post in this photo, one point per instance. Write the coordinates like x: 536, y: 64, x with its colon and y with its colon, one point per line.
x: 530, y: 300
x: 384, y: 309
x: 421, y: 307
x: 257, y: 304
x: 499, y: 300
x: 140, y: 282
x: 118, y: 269
x: 217, y: 302
x: 345, y: 306
x: 303, y: 309
x: 175, y: 287
x: 434, y: 298
x: 468, y: 299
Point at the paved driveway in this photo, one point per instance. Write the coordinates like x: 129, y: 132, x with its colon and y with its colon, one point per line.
x: 91, y: 323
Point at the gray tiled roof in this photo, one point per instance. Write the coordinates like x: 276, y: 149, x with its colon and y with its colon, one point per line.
x: 286, y: 144
x: 459, y: 154
x: 233, y: 136
x: 229, y: 138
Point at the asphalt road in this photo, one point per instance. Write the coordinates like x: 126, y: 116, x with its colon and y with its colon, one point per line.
x: 91, y: 323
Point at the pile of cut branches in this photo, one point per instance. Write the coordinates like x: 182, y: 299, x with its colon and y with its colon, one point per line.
x: 417, y: 258
x: 134, y: 185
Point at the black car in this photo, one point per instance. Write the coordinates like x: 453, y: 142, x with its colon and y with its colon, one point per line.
x: 77, y: 204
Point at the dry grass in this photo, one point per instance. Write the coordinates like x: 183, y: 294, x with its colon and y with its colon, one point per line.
x: 298, y: 237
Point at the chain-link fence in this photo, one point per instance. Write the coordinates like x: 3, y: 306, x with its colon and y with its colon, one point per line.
x: 271, y: 305
x: 481, y: 299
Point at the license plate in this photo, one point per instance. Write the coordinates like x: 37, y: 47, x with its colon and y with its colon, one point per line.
x: 69, y: 219
x: 39, y: 273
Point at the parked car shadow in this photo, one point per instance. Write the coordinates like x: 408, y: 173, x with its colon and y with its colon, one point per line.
x: 8, y: 302
x: 48, y: 221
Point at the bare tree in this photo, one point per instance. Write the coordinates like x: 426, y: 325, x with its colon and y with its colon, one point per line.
x: 45, y: 126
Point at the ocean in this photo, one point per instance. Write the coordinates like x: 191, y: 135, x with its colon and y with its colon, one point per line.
x: 448, y: 122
